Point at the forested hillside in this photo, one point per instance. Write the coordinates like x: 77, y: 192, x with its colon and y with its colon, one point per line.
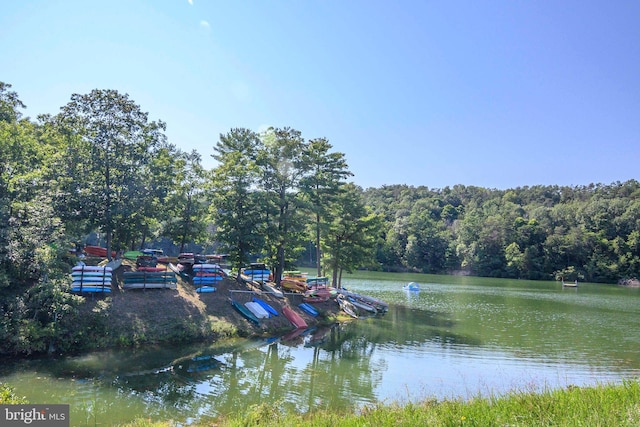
x: 541, y: 232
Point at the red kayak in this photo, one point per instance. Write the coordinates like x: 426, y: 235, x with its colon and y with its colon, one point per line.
x: 97, y: 251
x: 293, y: 317
x: 151, y: 269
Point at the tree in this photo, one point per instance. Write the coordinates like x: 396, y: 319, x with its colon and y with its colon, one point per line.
x: 120, y: 141
x: 350, y: 241
x: 236, y: 204
x: 10, y: 104
x: 327, y: 171
x: 281, y: 165
x: 187, y: 208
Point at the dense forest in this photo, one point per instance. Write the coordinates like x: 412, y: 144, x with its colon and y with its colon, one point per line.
x: 101, y: 172
x: 541, y: 232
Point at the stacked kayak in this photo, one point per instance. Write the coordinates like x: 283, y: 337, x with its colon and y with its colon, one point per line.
x: 88, y: 278
x: 293, y: 285
x: 295, y: 275
x: 317, y: 281
x: 149, y: 280
x: 257, y: 272
x: 205, y: 276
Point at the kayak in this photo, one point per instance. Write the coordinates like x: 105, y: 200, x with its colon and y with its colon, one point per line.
x: 257, y: 309
x: 308, y: 309
x: 293, y: 317
x: 245, y: 312
x: 205, y: 289
x: 272, y: 311
x: 91, y: 268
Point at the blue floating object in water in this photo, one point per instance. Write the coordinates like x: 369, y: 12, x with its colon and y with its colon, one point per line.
x: 413, y: 286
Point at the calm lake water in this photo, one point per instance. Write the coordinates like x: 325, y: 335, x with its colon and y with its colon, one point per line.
x: 457, y: 337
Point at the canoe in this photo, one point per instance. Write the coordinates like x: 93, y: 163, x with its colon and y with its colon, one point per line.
x: 201, y: 280
x: 91, y: 281
x: 151, y: 269
x: 271, y: 288
x: 323, y: 292
x: 216, y: 275
x: 363, y: 306
x: 308, y: 309
x: 91, y: 273
x: 149, y: 274
x: 314, y: 299
x: 257, y: 310
x: 90, y: 268
x: 347, y: 307
x: 245, y: 312
x: 378, y: 304
x: 149, y: 285
x: 318, y: 281
x: 132, y: 255
x: 272, y: 311
x: 178, y: 269
x: 295, y: 275
x: 293, y: 317
x: 206, y: 267
x: 91, y: 289
x: 205, y: 289
x: 293, y: 285
x: 97, y: 251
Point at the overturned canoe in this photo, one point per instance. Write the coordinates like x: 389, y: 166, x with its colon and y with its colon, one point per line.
x: 309, y: 309
x: 272, y: 311
x: 293, y: 317
x: 245, y: 312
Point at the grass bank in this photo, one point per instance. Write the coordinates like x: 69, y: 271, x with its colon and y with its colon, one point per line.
x: 604, y: 405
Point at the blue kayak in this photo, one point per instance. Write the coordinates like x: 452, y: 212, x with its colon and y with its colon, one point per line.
x: 272, y: 311
x: 309, y: 309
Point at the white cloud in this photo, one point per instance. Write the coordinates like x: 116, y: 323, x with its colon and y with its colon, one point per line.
x: 204, y: 24
x: 190, y: 2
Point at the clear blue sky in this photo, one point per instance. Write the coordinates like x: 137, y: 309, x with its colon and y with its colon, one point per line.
x: 490, y: 93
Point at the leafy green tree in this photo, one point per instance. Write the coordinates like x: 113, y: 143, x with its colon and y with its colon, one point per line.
x: 118, y: 141
x: 327, y: 171
x: 282, y: 166
x: 237, y: 207
x: 10, y: 104
x: 351, y: 239
x: 186, y: 203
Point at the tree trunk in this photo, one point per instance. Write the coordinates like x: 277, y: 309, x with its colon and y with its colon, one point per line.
x: 318, y: 267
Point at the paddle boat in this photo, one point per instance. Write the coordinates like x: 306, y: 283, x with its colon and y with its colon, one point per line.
x: 412, y: 286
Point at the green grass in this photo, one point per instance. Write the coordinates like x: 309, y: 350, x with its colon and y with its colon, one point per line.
x: 604, y: 405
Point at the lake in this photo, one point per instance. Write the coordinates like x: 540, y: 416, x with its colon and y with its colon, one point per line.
x: 456, y: 337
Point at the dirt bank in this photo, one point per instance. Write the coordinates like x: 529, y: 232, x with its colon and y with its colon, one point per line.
x: 154, y: 316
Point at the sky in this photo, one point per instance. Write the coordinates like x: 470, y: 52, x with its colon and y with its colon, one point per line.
x: 496, y: 94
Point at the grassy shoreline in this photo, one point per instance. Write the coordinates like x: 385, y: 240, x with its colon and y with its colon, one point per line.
x: 601, y: 405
